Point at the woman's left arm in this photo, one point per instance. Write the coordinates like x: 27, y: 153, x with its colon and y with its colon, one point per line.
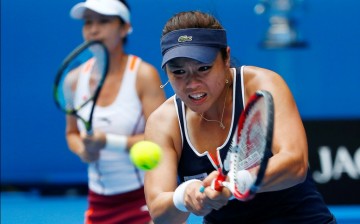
x: 289, y: 164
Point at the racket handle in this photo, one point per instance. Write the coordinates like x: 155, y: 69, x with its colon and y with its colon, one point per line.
x: 217, y: 183
x: 90, y: 132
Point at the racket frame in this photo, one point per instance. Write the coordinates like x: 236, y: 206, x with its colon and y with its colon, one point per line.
x: 219, y: 183
x: 76, y: 52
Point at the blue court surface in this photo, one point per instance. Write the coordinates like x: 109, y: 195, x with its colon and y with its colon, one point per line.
x: 32, y: 208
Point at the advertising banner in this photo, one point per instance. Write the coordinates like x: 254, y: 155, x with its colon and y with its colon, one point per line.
x: 334, y: 156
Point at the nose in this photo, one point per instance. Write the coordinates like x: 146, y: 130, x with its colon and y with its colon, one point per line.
x: 93, y: 29
x: 192, y: 80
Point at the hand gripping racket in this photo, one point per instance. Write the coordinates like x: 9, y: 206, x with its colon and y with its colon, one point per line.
x: 85, y: 67
x: 250, y: 149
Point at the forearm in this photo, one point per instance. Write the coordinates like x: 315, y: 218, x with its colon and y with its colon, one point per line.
x: 86, y: 147
x: 74, y: 143
x: 162, y: 210
x: 134, y: 139
x: 291, y: 172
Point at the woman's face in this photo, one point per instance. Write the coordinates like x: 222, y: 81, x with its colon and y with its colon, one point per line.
x: 107, y: 29
x: 197, y: 84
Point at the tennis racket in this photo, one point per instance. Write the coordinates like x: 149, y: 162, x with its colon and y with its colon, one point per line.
x: 250, y: 149
x: 85, y: 67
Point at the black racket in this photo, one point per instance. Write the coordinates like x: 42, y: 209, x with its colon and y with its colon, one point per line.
x: 85, y: 67
x: 250, y: 150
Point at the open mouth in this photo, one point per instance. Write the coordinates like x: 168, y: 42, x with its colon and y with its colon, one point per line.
x: 197, y: 96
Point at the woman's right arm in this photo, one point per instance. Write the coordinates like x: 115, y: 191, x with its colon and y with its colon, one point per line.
x: 161, y: 182
x: 76, y: 142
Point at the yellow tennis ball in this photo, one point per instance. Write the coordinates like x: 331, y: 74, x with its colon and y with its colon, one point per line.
x: 146, y: 155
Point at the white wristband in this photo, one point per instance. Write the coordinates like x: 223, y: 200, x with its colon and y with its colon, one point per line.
x: 116, y: 143
x: 178, y: 196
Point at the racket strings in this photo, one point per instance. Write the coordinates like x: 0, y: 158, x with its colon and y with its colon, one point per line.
x: 97, y: 72
x: 248, y: 152
x: 89, y: 61
x: 95, y: 77
x: 250, y: 148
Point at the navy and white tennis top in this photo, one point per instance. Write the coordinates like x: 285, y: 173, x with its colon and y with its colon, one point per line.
x: 299, y: 204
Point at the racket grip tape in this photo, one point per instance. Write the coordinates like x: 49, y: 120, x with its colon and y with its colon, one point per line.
x: 217, y: 183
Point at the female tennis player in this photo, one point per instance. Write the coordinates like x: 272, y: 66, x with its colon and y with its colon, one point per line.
x: 129, y: 94
x: 194, y: 129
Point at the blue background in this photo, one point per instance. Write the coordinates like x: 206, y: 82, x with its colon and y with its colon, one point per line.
x: 37, y: 35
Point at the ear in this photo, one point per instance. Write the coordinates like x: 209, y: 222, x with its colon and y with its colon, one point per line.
x: 126, y: 29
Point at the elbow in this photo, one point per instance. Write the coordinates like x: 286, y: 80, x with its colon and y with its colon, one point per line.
x: 156, y: 219
x: 301, y: 171
x: 162, y: 215
x: 159, y: 220
x: 296, y: 170
x: 155, y: 216
x: 158, y: 216
x: 156, y: 213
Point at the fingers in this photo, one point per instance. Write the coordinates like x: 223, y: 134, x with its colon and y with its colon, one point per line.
x: 208, y: 180
x: 202, y: 199
x: 215, y: 199
x: 93, y: 143
x: 208, y: 199
x: 92, y: 157
x: 88, y: 157
x: 198, y: 205
x: 194, y: 200
x: 212, y: 198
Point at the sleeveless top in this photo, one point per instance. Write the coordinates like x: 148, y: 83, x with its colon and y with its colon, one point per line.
x: 114, y: 173
x: 299, y: 204
x: 204, y: 164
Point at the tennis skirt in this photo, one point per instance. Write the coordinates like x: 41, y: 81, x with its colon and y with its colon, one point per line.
x: 126, y: 208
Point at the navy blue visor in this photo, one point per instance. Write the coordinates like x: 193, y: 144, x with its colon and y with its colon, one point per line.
x: 200, y: 44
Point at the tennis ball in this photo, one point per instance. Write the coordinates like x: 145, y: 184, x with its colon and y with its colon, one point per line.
x: 146, y: 155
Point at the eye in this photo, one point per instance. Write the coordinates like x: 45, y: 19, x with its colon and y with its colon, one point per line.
x: 104, y: 20
x: 178, y: 72
x: 205, y: 68
x: 87, y: 22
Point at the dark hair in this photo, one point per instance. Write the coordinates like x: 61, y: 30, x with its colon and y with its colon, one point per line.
x: 125, y: 3
x: 193, y: 19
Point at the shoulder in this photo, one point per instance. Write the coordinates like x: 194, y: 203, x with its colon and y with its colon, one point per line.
x: 163, y: 123
x: 165, y: 113
x: 146, y: 69
x: 148, y: 78
x: 259, y: 75
x: 256, y: 78
x: 147, y: 73
x: 164, y: 118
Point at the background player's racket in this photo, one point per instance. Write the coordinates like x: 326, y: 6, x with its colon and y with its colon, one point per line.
x: 85, y: 67
x: 250, y: 150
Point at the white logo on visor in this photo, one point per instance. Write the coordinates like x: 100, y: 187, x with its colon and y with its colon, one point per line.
x: 184, y: 38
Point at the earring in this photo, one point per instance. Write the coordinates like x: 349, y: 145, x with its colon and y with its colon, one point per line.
x: 226, y: 81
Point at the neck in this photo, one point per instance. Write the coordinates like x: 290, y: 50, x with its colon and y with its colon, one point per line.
x: 222, y: 112
x: 117, y: 62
